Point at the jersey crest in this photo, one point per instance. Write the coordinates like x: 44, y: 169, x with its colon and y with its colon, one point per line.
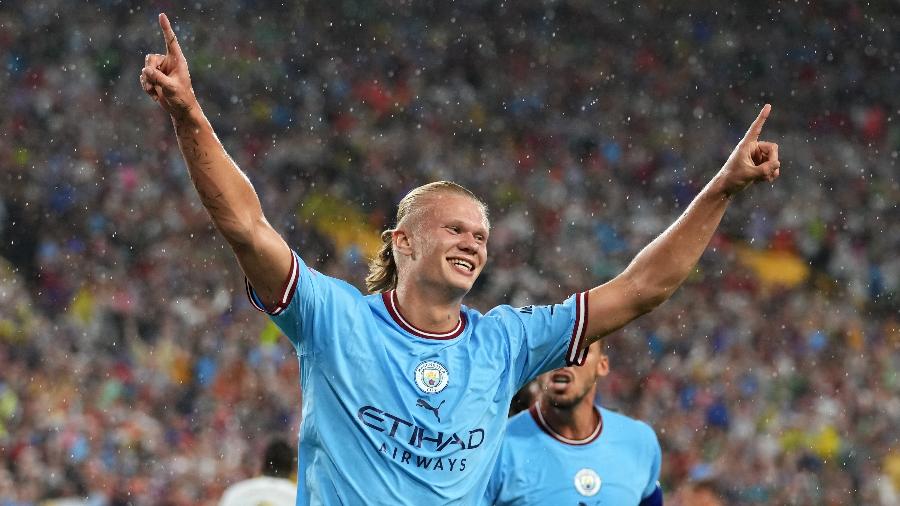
x: 432, y: 377
x: 587, y: 482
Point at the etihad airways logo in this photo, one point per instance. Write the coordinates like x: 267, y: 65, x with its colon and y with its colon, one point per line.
x: 416, y: 436
x: 410, y: 436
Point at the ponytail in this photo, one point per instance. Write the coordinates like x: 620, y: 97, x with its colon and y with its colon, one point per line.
x: 382, y: 268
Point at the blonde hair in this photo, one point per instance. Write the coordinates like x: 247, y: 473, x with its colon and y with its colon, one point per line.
x: 383, y: 267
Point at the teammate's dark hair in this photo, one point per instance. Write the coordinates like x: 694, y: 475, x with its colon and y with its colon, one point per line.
x: 383, y: 267
x: 279, y: 459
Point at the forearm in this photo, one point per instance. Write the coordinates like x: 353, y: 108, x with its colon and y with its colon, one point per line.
x: 224, y: 189
x: 663, y: 265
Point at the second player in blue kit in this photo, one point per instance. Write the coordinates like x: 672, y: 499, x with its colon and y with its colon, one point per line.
x: 565, y: 450
x: 405, y: 391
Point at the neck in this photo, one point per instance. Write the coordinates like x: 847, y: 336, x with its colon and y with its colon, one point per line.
x: 425, y: 310
x: 577, y: 422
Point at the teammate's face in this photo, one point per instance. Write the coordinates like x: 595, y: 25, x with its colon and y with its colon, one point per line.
x: 450, y: 242
x: 567, y: 387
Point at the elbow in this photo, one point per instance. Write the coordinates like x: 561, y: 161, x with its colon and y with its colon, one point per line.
x: 657, y: 297
x: 648, y: 296
x: 240, y: 234
x: 650, y: 301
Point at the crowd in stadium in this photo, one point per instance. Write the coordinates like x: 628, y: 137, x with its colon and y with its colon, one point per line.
x: 134, y: 371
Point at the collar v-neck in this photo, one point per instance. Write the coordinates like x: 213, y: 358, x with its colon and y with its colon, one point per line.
x: 535, y: 411
x: 393, y: 308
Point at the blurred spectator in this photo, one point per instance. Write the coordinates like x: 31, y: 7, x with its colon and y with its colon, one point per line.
x: 699, y: 490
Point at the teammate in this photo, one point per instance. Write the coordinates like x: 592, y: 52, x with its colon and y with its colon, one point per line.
x: 566, y: 450
x: 274, y: 488
x: 405, y: 390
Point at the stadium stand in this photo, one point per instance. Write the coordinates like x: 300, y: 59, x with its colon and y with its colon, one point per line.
x: 133, y: 370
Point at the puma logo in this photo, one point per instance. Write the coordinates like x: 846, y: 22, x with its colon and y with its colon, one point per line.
x: 423, y: 403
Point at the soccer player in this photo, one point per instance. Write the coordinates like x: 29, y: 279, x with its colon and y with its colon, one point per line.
x: 405, y: 391
x: 274, y: 488
x: 567, y: 450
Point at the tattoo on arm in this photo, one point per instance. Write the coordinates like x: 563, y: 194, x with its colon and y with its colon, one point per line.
x: 208, y: 200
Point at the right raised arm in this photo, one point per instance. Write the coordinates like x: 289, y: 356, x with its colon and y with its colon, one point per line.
x: 224, y: 189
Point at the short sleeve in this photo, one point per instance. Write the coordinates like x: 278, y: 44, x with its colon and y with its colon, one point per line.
x: 544, y: 338
x: 309, y: 304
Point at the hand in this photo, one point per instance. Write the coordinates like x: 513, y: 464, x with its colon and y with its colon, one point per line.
x: 166, y: 78
x: 752, y: 160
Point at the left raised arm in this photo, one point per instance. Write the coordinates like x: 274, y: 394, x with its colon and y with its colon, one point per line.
x: 660, y: 268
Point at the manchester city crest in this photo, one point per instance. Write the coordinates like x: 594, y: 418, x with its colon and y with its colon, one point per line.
x: 587, y: 482
x: 431, y: 377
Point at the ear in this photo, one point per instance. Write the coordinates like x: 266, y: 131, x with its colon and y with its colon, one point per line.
x: 603, y: 365
x: 402, y: 242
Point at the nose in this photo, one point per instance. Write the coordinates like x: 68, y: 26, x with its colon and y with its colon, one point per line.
x: 468, y: 244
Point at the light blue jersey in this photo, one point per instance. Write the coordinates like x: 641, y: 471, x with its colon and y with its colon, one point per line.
x: 617, y: 465
x: 397, y: 415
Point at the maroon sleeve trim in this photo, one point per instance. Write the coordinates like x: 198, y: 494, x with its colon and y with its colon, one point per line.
x: 577, y: 351
x: 287, y: 293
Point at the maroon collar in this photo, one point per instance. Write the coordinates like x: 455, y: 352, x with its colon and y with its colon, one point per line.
x: 390, y: 302
x: 535, y: 411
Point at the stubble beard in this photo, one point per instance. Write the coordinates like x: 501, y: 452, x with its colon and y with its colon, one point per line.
x: 563, y: 401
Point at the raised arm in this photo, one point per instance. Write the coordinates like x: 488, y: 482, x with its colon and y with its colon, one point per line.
x: 661, y: 267
x: 224, y: 189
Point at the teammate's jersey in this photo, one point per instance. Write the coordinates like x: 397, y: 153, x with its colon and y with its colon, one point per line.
x: 395, y: 415
x: 260, y: 491
x: 617, y: 465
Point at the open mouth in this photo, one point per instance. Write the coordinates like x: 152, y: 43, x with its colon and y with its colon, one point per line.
x: 561, y: 378
x: 462, y: 264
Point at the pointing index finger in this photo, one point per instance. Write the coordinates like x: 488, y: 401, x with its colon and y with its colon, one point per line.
x: 755, y: 129
x: 172, y: 46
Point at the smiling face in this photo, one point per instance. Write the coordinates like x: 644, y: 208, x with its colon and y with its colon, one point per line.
x: 443, y: 246
x: 569, y: 386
